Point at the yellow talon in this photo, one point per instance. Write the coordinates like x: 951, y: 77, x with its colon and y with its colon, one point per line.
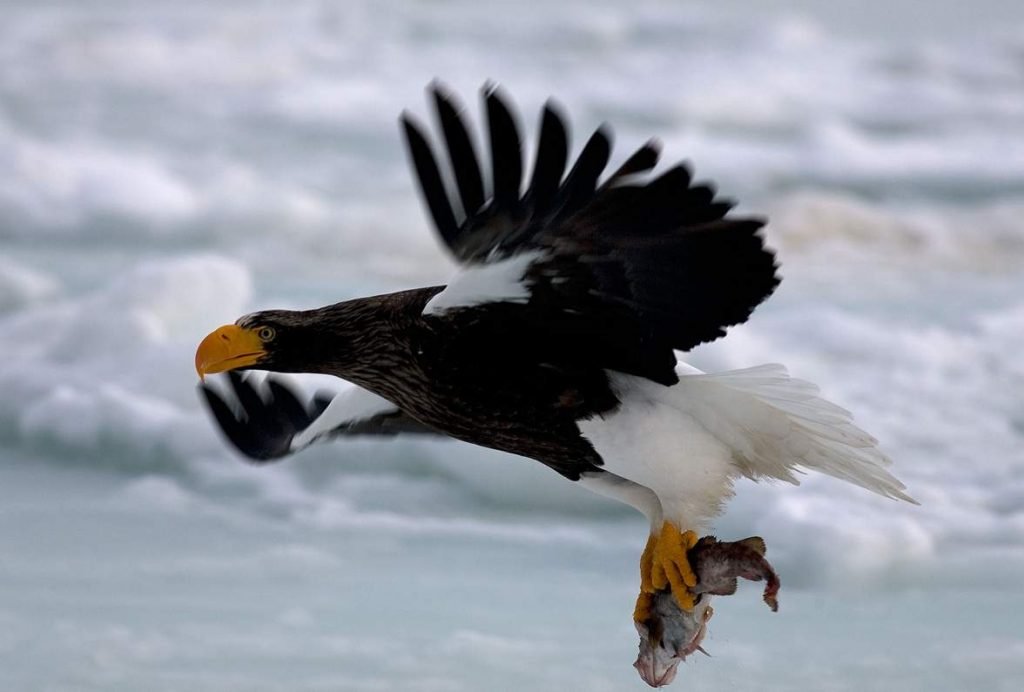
x: 642, y: 610
x: 647, y: 566
x: 664, y: 564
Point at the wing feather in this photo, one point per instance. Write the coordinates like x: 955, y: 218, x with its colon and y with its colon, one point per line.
x: 642, y: 160
x: 465, y: 165
x: 431, y: 185
x: 506, y: 154
x: 268, y: 420
x: 551, y: 160
x: 646, y: 267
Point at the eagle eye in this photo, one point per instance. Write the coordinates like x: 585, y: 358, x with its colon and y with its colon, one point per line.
x: 266, y: 333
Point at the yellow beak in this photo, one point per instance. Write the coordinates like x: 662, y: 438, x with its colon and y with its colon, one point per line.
x: 227, y: 348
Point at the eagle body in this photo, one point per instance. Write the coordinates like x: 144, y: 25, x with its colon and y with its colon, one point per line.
x: 558, y: 339
x: 621, y: 435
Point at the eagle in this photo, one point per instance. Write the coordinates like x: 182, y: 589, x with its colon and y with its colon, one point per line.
x: 557, y: 339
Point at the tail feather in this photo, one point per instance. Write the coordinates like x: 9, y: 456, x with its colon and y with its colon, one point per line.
x: 780, y: 426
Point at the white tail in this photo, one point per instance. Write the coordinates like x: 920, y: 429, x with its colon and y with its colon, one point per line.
x: 779, y: 425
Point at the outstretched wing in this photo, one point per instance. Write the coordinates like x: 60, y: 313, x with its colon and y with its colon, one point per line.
x: 268, y: 419
x: 646, y: 265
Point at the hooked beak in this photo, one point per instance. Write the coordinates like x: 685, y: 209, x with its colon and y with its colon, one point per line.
x: 228, y: 348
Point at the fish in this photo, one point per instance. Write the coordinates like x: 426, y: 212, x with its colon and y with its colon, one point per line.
x: 669, y: 634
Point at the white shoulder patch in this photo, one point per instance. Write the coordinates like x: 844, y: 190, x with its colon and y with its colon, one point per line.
x: 500, y: 282
x: 351, y: 405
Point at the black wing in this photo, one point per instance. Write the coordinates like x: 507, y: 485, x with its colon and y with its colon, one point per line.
x: 270, y: 421
x: 653, y: 264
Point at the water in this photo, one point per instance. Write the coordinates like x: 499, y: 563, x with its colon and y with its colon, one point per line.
x: 166, y: 169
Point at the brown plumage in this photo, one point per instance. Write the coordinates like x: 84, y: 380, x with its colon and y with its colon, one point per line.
x: 513, y: 400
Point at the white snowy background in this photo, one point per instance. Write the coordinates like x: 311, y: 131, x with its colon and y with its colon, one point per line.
x: 166, y: 167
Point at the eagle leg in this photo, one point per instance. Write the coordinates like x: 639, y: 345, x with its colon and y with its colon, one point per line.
x: 664, y: 564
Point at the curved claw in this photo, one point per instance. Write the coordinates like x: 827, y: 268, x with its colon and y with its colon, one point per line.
x: 665, y: 564
x: 643, y: 607
x: 268, y: 416
x: 647, y: 565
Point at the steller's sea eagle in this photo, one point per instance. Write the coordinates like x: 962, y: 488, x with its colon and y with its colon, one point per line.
x: 557, y: 339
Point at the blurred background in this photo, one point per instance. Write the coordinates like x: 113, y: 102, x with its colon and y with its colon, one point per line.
x: 167, y: 167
